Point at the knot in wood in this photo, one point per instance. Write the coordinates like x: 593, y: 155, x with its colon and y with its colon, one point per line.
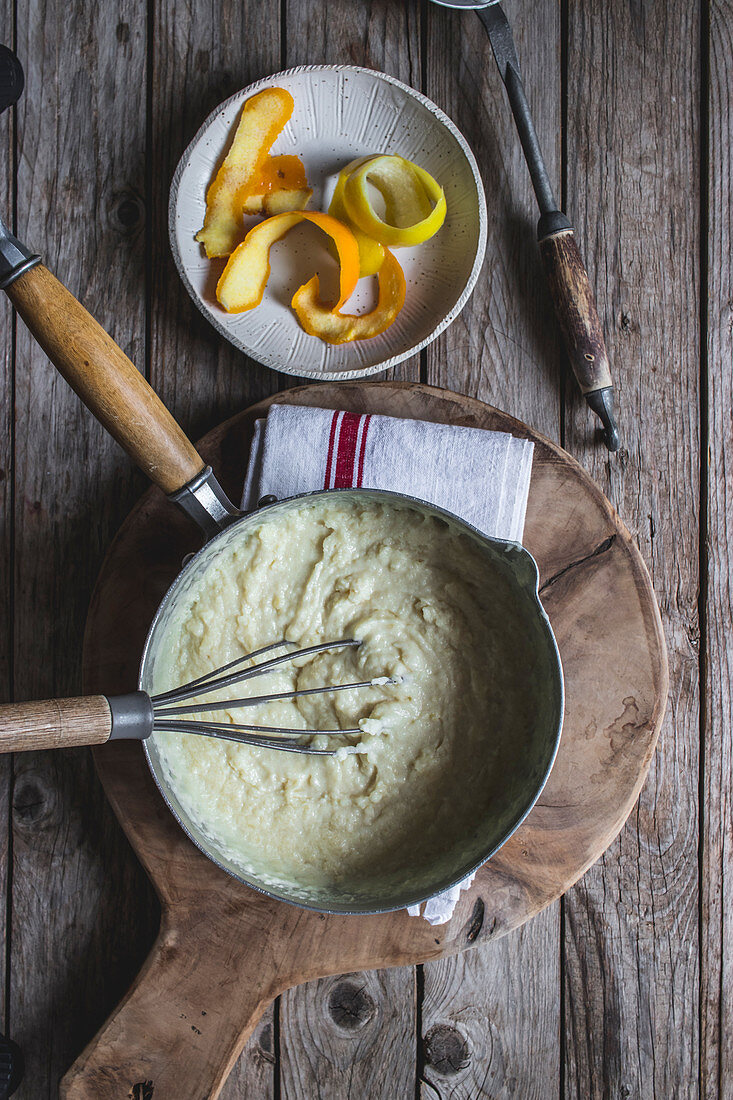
x: 476, y: 921
x: 143, y: 1090
x: 446, y: 1050
x: 264, y: 1054
x: 350, y: 1005
x: 128, y: 212
x: 31, y: 802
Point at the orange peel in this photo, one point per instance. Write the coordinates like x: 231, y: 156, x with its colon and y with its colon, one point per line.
x: 263, y: 117
x: 282, y: 187
x: 245, y: 276
x: 371, y: 252
x: 340, y: 328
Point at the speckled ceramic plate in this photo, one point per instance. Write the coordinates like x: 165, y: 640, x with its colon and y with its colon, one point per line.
x: 341, y: 112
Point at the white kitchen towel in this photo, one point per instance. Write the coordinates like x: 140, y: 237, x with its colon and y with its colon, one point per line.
x: 479, y: 475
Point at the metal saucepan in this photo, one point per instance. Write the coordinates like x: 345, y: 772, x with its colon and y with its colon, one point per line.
x: 121, y: 399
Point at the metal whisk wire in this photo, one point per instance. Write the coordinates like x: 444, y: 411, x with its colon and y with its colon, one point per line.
x: 166, y: 709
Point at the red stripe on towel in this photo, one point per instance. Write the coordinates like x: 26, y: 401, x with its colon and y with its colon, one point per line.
x: 362, y: 450
x: 346, y: 451
x: 329, y: 459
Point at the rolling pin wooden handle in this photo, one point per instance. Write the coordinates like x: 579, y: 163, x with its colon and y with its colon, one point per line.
x: 55, y: 723
x: 184, y: 1022
x: 576, y: 311
x: 105, y: 379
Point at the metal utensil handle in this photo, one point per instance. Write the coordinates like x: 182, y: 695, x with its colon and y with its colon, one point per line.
x: 105, y: 379
x: 570, y: 289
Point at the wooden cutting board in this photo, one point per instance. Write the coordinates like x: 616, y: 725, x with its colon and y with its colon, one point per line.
x: 224, y: 951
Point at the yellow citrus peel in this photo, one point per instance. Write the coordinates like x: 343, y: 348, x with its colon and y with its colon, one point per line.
x: 371, y: 252
x: 415, y: 204
x: 340, y: 328
x: 245, y: 276
x: 263, y: 117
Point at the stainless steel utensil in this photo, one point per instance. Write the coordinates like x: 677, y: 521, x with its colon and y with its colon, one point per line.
x: 44, y: 725
x: 15, y: 258
x: 567, y: 277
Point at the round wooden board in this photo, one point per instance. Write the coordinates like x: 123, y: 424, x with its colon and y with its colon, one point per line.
x: 225, y: 951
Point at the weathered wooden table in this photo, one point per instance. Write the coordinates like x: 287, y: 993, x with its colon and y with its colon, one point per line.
x: 623, y: 988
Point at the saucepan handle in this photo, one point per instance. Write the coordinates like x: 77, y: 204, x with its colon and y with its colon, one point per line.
x: 69, y: 723
x: 105, y: 379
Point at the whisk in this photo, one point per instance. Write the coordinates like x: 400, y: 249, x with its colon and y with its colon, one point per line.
x: 95, y: 719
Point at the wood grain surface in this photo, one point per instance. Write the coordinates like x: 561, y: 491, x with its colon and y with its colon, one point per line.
x: 385, y: 36
x: 635, y: 90
x: 7, y: 484
x: 80, y: 911
x: 620, y: 96
x: 517, y: 368
x: 199, y: 55
x: 716, y: 925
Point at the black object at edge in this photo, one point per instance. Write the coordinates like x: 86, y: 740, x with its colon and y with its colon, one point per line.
x: 11, y: 1067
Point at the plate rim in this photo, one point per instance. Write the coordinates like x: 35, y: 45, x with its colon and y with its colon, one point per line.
x: 441, y: 326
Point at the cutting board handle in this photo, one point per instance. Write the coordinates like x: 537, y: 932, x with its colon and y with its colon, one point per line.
x: 181, y: 1027
x: 105, y: 379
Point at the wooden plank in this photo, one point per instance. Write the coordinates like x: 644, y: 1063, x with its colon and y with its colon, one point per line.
x: 202, y: 54
x: 485, y: 1033
x: 504, y: 347
x: 378, y: 34
x: 489, y: 1018
x: 631, y: 929
x: 350, y: 1036
x: 716, y: 1039
x: 255, y: 1070
x: 83, y: 914
x: 385, y: 36
x: 7, y: 132
x: 318, y: 1054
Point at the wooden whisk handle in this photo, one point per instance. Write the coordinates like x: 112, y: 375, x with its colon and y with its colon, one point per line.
x: 55, y: 723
